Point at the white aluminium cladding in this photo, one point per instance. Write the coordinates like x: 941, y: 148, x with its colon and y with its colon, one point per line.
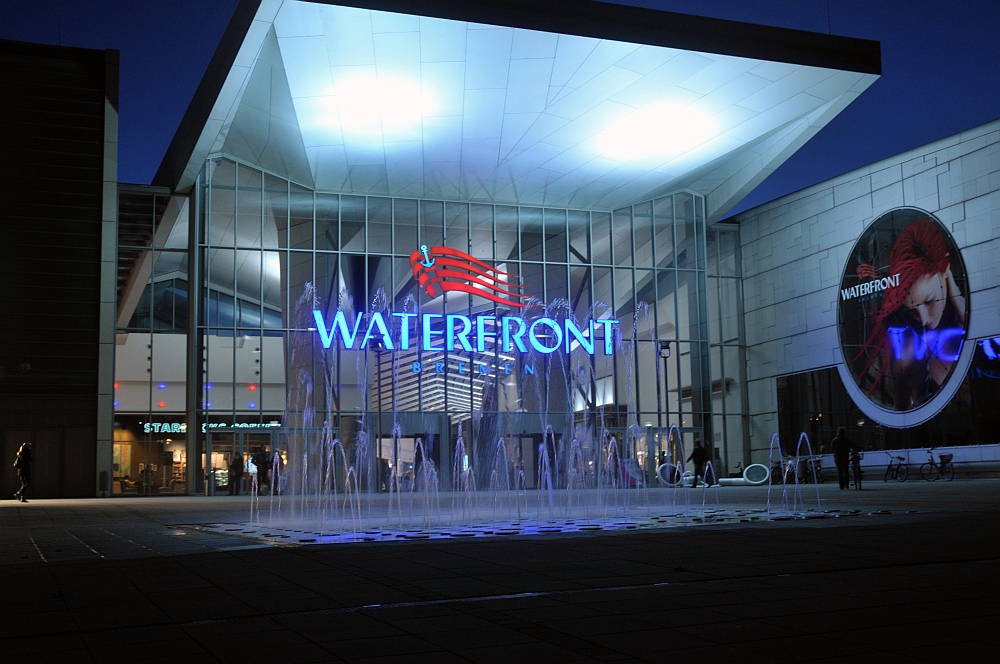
x: 381, y: 103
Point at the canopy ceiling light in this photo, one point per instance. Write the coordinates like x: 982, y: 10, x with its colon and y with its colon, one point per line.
x: 656, y: 133
x: 386, y: 107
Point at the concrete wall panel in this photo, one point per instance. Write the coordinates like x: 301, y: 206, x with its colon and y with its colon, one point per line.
x: 794, y: 250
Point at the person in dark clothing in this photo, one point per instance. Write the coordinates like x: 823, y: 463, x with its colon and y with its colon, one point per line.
x: 22, y: 462
x: 235, y: 474
x: 700, y: 457
x: 147, y: 480
x: 262, y: 460
x: 841, y: 446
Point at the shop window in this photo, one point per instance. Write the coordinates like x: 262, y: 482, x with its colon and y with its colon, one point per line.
x: 623, y: 236
x: 601, y: 238
x: 457, y: 219
x: 380, y: 226
x: 432, y: 223
x: 352, y: 223
x: 327, y: 220
x: 555, y: 236
x: 663, y: 231
x: 531, y: 234
x: 404, y: 213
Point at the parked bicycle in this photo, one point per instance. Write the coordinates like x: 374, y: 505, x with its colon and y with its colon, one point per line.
x: 931, y: 471
x: 783, y: 472
x: 896, y: 471
x: 810, y: 469
x: 856, y: 468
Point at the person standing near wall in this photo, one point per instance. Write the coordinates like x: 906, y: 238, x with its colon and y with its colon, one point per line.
x: 235, y: 474
x: 22, y: 462
x: 262, y: 460
x: 841, y: 446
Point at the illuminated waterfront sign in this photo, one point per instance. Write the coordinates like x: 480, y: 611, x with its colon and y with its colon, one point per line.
x: 902, y: 318
x: 544, y: 335
x: 439, y: 270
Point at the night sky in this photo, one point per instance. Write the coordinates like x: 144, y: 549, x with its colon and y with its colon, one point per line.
x: 940, y: 69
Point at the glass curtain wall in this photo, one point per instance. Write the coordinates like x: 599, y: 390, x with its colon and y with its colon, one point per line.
x: 276, y: 250
x: 726, y: 340
x: 148, y: 455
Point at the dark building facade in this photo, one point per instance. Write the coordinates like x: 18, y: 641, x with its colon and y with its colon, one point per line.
x: 58, y: 172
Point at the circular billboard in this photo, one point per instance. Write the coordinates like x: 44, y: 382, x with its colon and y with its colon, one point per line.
x: 902, y: 317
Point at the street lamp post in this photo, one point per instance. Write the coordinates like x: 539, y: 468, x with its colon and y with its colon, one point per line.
x: 650, y: 456
x: 378, y: 423
x: 665, y: 354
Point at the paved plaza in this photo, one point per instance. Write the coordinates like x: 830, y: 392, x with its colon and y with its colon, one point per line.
x: 904, y: 572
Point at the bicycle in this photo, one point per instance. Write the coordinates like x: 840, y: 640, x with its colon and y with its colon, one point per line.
x: 856, y: 468
x: 897, y: 471
x: 931, y: 471
x: 783, y: 472
x: 812, y: 470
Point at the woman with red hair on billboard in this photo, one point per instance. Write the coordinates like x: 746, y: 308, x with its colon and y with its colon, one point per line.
x: 918, y: 330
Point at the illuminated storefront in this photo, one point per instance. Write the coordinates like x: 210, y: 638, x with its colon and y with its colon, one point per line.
x: 420, y: 229
x: 564, y: 359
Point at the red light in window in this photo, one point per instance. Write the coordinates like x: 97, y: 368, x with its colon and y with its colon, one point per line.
x: 162, y: 404
x: 116, y: 386
x: 252, y: 388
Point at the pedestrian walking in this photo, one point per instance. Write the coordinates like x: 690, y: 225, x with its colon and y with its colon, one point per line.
x: 262, y: 460
x: 235, y: 474
x: 700, y: 457
x: 842, y: 446
x: 22, y: 462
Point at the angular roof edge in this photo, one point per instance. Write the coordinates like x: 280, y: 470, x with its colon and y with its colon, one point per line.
x: 638, y: 25
x: 585, y: 18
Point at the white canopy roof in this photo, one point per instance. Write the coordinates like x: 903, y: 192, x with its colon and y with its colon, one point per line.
x: 367, y: 101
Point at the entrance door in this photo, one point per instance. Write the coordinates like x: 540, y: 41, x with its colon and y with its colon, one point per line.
x: 227, y: 452
x: 403, y: 458
x: 689, y: 435
x: 630, y: 455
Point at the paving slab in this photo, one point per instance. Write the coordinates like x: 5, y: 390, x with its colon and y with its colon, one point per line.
x: 911, y: 575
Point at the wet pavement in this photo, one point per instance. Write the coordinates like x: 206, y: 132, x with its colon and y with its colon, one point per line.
x: 896, y: 572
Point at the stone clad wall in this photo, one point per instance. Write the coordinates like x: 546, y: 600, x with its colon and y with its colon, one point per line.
x: 794, y: 251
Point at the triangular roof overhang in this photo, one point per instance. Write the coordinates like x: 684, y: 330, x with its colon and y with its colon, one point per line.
x: 527, y: 99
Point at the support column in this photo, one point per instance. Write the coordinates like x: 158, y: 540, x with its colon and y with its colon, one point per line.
x: 109, y: 282
x: 194, y: 474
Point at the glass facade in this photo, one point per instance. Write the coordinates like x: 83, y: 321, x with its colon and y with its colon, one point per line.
x: 273, y: 251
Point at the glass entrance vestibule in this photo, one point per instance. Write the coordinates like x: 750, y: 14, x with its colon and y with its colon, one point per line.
x: 232, y: 456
